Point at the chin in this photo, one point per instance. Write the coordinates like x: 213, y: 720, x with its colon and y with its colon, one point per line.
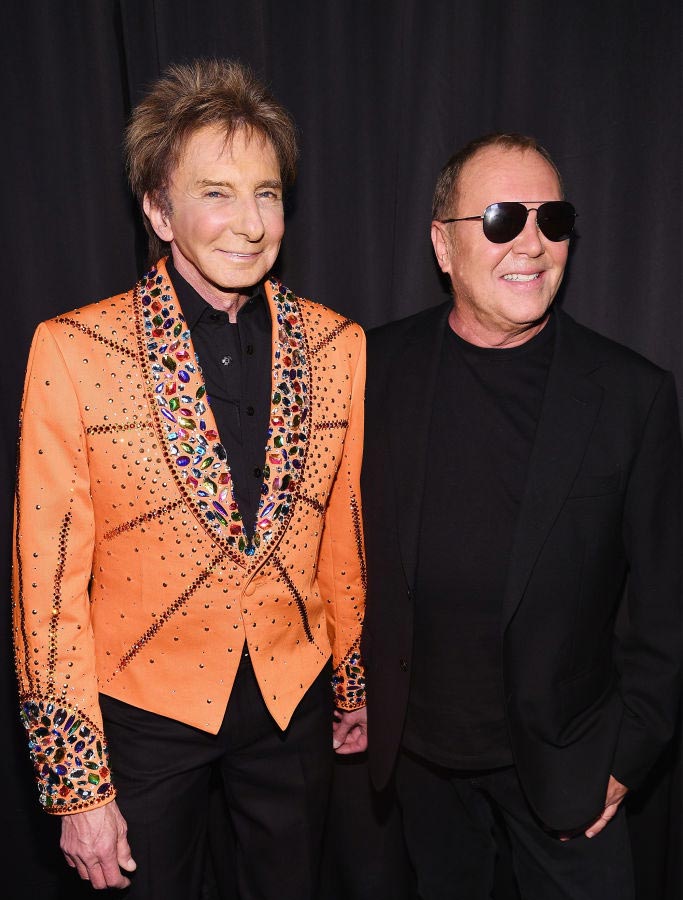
x: 534, y: 312
x: 237, y: 281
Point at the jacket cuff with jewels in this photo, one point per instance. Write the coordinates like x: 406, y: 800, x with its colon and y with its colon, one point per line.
x: 70, y: 757
x: 348, y: 682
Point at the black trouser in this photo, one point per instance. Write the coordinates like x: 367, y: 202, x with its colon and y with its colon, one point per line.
x: 450, y: 817
x: 276, y: 785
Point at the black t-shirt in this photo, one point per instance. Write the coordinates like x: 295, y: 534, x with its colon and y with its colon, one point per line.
x: 486, y: 408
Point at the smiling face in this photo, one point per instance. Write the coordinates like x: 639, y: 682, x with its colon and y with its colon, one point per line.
x: 224, y: 218
x: 502, y: 292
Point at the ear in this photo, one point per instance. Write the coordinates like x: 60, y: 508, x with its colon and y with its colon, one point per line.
x: 159, y: 218
x: 441, y: 244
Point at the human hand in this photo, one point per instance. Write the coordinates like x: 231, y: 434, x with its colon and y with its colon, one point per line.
x: 94, y: 843
x: 350, y: 730
x: 615, y: 794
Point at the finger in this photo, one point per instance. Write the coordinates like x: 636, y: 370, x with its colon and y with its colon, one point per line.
x: 96, y: 876
x: 607, y: 814
x: 610, y: 811
x: 349, y: 748
x: 124, y: 857
x: 340, y: 733
x: 343, y: 738
x: 107, y: 876
x: 128, y: 864
x: 350, y: 738
x: 82, y: 870
x: 355, y: 742
x: 111, y: 875
x: 594, y: 828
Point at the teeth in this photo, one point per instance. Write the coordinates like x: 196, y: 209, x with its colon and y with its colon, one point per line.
x: 515, y: 276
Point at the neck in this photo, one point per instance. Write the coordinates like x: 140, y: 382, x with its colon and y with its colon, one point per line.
x: 482, y: 334
x: 227, y: 301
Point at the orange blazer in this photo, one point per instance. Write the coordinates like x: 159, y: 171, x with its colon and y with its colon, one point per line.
x: 133, y: 575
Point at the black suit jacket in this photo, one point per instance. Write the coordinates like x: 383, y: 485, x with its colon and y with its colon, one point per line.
x: 591, y: 682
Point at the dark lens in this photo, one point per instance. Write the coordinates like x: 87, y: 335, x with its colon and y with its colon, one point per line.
x: 504, y: 221
x: 556, y: 219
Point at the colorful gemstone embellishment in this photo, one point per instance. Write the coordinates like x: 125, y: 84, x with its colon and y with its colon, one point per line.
x: 69, y: 755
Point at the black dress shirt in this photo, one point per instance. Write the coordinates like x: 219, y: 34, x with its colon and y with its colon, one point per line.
x: 236, y: 362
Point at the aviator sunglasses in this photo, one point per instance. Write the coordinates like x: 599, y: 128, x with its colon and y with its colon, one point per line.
x: 504, y: 221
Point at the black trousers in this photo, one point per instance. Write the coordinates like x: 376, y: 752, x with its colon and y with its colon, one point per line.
x: 450, y: 819
x: 276, y: 786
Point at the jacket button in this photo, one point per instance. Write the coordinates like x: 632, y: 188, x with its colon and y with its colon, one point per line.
x: 403, y: 663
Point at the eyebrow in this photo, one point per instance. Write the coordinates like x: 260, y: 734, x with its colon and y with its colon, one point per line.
x: 210, y: 182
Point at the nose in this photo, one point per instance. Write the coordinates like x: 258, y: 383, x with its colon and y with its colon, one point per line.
x: 529, y: 241
x: 247, y: 220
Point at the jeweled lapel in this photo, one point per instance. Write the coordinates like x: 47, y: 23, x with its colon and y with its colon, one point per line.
x: 187, y: 428
x: 288, y: 431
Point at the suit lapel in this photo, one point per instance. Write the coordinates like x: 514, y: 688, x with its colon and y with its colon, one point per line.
x: 413, y: 376
x: 570, y: 407
x: 187, y: 427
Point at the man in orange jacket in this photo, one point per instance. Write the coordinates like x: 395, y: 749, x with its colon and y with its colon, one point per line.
x: 189, y: 550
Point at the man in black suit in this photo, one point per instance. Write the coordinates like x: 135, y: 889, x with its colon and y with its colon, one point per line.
x: 522, y: 483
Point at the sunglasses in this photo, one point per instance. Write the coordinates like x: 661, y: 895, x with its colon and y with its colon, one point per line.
x: 504, y: 221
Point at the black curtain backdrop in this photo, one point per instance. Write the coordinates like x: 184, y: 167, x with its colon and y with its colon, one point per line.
x: 383, y: 92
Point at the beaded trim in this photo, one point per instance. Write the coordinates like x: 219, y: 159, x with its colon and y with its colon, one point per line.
x: 57, y: 603
x: 90, y: 332
x: 26, y: 675
x: 298, y: 599
x: 332, y: 423
x: 113, y: 427
x: 192, y: 449
x: 336, y: 331
x: 168, y: 613
x: 132, y: 524
x: 358, y: 534
x: 312, y: 502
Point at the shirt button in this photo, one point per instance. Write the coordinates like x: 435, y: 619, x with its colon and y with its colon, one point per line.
x: 250, y: 410
x: 250, y: 349
x: 257, y: 472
